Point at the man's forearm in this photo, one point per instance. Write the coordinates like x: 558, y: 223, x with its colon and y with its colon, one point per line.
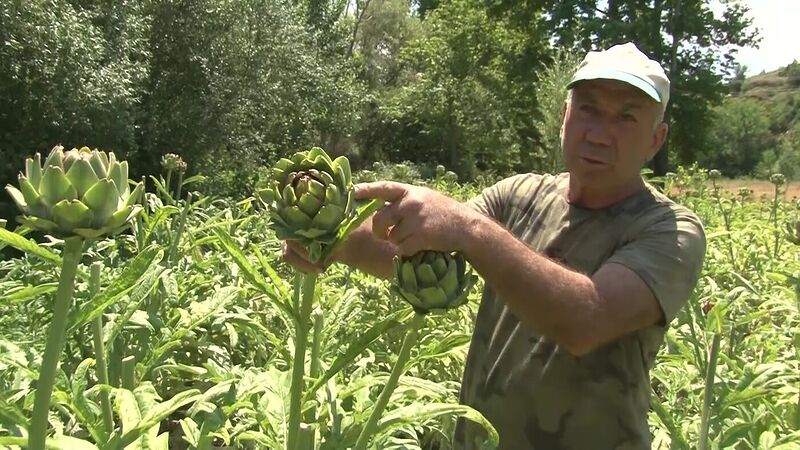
x: 551, y: 299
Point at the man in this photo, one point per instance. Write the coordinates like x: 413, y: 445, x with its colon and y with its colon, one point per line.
x: 584, y: 270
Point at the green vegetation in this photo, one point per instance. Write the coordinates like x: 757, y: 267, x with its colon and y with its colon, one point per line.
x: 196, y: 307
x: 183, y: 331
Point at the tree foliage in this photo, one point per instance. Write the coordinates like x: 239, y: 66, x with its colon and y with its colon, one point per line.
x: 472, y: 85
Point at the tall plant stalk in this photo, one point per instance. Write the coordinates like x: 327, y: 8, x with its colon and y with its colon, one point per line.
x: 391, y: 384
x: 100, y: 352
x: 309, y: 283
x: 708, y: 394
x: 55, y: 342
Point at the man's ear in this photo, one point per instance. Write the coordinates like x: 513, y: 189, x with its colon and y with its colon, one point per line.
x: 659, y: 137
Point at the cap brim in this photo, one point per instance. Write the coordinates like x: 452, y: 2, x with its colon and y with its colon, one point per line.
x: 607, y: 74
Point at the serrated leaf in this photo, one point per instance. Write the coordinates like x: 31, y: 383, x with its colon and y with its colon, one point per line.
x: 191, y: 433
x: 28, y: 246
x: 251, y: 274
x: 357, y: 345
x: 27, y: 293
x: 159, y: 413
x: 144, y: 269
x: 418, y: 413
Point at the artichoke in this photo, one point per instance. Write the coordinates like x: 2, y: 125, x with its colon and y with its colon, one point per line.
x: 310, y: 199
x: 80, y: 192
x: 173, y: 162
x: 432, y: 280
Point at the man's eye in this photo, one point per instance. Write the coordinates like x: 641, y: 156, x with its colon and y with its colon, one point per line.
x: 628, y: 117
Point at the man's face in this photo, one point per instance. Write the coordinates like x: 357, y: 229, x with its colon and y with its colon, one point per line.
x: 609, y: 132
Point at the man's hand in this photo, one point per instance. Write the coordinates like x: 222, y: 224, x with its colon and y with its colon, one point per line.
x: 297, y: 256
x: 418, y: 218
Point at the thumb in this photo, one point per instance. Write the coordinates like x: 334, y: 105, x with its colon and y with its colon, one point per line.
x: 385, y: 190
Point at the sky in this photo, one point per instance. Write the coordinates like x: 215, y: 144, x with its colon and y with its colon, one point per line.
x: 779, y: 25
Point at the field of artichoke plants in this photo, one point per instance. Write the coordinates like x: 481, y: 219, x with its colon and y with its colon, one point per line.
x: 148, y: 315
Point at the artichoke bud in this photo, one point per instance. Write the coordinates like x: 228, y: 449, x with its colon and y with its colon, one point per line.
x: 173, y: 162
x: 431, y: 280
x: 79, y: 192
x: 306, y: 199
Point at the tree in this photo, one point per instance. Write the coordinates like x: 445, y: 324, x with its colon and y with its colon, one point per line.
x: 739, y: 137
x: 462, y: 105
x: 696, y: 47
x: 63, y: 82
x: 240, y: 80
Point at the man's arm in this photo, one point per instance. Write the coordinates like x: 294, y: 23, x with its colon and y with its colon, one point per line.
x: 579, y: 312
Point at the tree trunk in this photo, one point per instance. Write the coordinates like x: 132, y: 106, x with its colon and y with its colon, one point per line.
x: 661, y: 159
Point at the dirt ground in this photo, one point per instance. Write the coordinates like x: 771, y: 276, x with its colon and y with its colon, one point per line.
x: 761, y: 187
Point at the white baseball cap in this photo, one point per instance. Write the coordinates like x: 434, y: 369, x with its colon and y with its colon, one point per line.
x: 625, y: 62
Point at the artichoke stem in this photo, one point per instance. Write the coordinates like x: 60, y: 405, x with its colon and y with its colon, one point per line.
x: 100, y: 352
x: 55, y: 343
x: 168, y: 181
x: 179, y: 188
x: 129, y: 372
x: 409, y: 341
x: 299, y: 361
x: 314, y: 369
x: 173, y: 250
x: 708, y: 394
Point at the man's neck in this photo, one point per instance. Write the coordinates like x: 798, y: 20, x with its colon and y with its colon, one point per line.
x: 593, y: 197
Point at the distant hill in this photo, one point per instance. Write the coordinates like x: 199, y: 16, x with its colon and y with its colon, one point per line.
x: 779, y: 91
x: 773, y: 85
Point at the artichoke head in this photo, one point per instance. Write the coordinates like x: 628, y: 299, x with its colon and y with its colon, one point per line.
x: 173, y: 162
x: 310, y: 199
x: 432, y: 280
x: 76, y: 193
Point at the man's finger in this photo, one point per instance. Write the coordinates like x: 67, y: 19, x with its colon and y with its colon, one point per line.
x: 401, y: 231
x: 384, y: 219
x: 298, y: 259
x: 387, y: 190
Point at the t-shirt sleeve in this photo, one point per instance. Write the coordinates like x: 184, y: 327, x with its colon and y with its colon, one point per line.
x: 668, y: 256
x: 494, y: 201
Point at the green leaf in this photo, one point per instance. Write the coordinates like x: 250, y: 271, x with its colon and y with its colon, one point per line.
x: 57, y: 443
x: 127, y: 410
x: 143, y: 271
x: 420, y: 412
x: 357, y: 345
x: 28, y: 246
x: 766, y: 440
x: 363, y: 213
x: 252, y: 275
x: 157, y: 414
x: 11, y: 415
x: 28, y: 292
x: 80, y: 404
x: 191, y: 433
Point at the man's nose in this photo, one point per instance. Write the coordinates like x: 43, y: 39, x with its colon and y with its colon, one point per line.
x: 598, y: 132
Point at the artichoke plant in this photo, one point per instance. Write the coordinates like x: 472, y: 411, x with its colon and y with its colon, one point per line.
x: 310, y: 199
x: 432, y: 280
x: 429, y: 281
x: 76, y: 193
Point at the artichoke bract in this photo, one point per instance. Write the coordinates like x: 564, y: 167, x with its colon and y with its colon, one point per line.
x: 432, y: 280
x: 76, y: 193
x: 310, y: 198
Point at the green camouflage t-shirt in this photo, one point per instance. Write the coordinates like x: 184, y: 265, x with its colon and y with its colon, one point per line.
x: 536, y: 394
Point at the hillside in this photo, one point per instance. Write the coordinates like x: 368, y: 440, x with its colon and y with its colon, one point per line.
x: 779, y: 91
